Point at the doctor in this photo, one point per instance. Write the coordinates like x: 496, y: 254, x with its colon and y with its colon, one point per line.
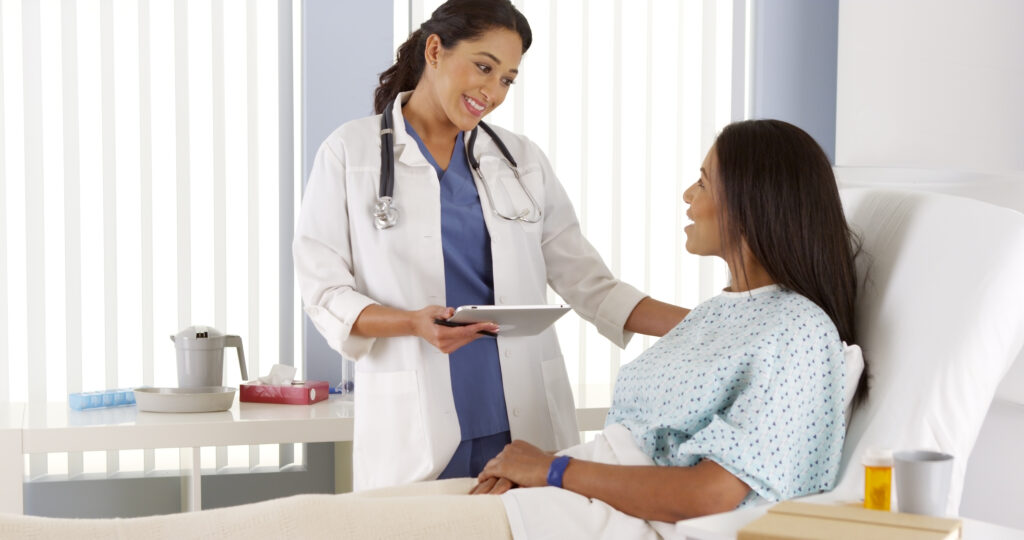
x: 395, y: 226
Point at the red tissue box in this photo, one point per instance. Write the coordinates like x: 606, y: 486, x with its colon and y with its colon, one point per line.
x: 307, y: 393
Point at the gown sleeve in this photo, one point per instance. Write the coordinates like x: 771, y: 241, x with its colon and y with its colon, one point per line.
x: 783, y: 435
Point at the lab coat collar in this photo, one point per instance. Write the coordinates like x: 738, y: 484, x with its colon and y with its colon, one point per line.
x: 406, y: 149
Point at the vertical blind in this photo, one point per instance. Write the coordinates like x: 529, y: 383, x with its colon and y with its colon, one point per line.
x: 625, y: 98
x: 146, y: 180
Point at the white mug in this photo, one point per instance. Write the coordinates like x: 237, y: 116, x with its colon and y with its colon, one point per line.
x: 922, y: 481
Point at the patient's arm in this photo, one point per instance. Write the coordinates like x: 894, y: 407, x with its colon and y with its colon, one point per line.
x: 652, y: 492
x: 654, y: 318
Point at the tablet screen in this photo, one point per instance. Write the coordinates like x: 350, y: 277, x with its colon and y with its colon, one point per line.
x: 513, y: 321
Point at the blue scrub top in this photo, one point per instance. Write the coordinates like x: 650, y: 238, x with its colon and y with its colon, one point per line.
x: 469, y: 280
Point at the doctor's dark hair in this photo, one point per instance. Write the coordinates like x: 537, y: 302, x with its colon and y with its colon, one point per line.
x: 454, y: 21
x: 778, y: 192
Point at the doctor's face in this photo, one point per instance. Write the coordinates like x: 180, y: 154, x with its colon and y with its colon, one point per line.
x: 704, y: 235
x: 472, y: 78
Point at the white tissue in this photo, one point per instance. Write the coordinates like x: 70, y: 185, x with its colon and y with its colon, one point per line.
x: 280, y: 374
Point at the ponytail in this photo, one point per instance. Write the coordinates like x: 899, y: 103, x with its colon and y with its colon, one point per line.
x: 405, y: 74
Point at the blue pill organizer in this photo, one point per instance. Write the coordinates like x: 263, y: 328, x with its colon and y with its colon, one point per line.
x: 104, y: 398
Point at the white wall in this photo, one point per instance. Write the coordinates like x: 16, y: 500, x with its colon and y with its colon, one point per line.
x: 933, y: 84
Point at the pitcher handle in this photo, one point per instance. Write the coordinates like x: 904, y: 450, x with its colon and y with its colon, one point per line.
x: 236, y: 342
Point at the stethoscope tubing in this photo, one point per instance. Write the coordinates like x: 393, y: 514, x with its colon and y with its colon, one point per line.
x: 385, y: 214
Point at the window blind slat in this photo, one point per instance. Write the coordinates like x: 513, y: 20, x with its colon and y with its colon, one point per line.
x: 707, y: 120
x: 72, y: 212
x: 34, y: 209
x: 616, y: 168
x: 253, y: 218
x: 183, y: 165
x: 35, y: 315
x: 146, y: 202
x: 110, y: 352
x: 220, y: 307
x: 72, y: 203
x: 286, y: 196
x: 219, y: 185
x: 5, y: 379
x: 648, y: 156
x: 584, y: 162
x: 110, y: 268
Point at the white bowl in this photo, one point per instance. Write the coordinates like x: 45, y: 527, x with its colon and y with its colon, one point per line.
x: 185, y: 400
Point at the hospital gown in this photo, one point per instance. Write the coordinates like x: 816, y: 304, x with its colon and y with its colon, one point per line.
x: 753, y: 381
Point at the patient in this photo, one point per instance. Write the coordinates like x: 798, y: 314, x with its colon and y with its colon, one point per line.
x: 742, y: 401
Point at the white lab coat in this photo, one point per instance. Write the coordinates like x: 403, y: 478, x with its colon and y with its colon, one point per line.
x: 406, y: 427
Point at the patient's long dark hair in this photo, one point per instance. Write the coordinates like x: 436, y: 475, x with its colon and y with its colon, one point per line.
x: 780, y: 195
x: 453, y: 21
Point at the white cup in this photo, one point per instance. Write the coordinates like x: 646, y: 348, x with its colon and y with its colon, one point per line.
x: 922, y: 481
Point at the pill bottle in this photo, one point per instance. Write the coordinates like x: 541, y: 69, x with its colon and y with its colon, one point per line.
x: 877, y: 478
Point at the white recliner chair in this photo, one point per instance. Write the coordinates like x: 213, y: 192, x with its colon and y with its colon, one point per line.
x: 941, y: 319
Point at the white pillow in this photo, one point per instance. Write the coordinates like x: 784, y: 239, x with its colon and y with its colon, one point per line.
x: 853, y: 358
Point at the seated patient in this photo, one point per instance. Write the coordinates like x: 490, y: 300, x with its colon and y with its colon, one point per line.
x: 742, y: 401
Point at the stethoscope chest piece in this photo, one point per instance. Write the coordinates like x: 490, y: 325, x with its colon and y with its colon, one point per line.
x: 385, y: 215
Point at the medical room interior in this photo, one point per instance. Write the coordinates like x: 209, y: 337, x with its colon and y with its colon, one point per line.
x: 154, y: 156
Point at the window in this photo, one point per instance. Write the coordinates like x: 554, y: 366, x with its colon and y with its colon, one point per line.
x: 625, y: 98
x: 146, y: 179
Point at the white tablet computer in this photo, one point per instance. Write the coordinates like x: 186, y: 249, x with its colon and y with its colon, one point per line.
x: 514, y: 321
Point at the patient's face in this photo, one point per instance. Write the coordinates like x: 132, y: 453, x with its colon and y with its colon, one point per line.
x: 703, y: 236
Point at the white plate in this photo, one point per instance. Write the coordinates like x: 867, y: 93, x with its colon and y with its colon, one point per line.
x: 181, y: 400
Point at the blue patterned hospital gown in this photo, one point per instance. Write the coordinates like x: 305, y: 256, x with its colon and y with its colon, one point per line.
x: 752, y: 381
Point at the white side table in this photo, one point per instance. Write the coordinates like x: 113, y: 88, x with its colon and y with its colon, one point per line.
x: 58, y: 428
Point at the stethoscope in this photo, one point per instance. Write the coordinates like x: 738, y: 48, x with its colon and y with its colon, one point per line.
x: 385, y: 215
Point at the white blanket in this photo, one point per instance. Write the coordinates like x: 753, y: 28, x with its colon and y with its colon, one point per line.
x: 559, y: 514
x: 425, y: 511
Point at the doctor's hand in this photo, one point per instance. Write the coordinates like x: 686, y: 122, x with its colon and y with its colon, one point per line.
x: 519, y: 464
x: 446, y: 338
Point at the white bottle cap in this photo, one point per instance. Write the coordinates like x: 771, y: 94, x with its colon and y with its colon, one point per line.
x: 877, y: 457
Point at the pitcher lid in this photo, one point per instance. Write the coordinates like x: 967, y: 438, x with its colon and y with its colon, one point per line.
x: 198, y: 337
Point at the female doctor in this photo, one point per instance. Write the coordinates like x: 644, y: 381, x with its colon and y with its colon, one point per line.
x: 375, y: 272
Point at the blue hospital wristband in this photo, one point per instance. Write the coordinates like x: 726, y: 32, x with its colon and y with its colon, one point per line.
x: 557, y: 471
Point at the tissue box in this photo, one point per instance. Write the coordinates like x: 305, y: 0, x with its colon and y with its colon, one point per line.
x: 793, y: 520
x: 307, y: 393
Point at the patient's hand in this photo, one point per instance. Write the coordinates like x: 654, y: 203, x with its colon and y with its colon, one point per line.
x: 519, y: 464
x: 492, y: 486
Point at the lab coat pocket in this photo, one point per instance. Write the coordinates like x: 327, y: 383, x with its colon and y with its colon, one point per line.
x: 512, y: 196
x: 390, y: 435
x: 560, y: 403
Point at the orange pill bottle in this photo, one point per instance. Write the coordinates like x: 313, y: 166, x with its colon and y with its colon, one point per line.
x: 877, y: 479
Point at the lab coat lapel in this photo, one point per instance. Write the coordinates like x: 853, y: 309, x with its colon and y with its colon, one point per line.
x: 407, y: 152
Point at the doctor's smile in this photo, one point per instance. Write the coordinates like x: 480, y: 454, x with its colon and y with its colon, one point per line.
x: 475, y: 107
